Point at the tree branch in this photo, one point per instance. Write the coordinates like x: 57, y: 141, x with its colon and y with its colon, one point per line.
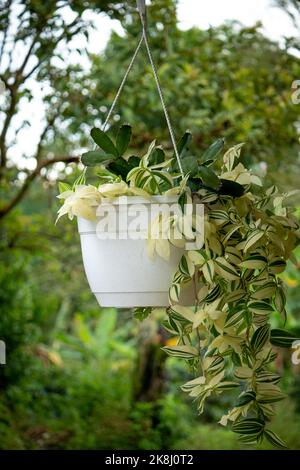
x: 3, y: 44
x: 9, y: 115
x: 50, y: 123
x: 31, y: 177
x: 55, y: 44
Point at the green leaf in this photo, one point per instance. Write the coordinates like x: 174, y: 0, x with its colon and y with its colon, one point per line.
x: 282, y: 338
x: 133, y: 161
x: 120, y: 167
x: 183, y: 143
x: 231, y: 188
x: 190, y: 165
x: 62, y: 187
x: 212, y: 151
x: 142, y: 313
x: 182, y: 200
x: 249, y: 439
x: 105, y: 176
x: 274, y: 439
x: 208, y: 177
x: 231, y: 156
x: 246, y: 397
x: 123, y: 139
x: 96, y: 157
x: 103, y: 141
x: 156, y: 156
x: 260, y: 337
x: 79, y: 181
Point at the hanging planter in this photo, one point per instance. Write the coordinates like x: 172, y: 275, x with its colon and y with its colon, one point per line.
x: 221, y: 284
x: 117, y: 263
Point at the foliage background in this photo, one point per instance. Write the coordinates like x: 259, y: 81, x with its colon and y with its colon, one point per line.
x: 80, y: 377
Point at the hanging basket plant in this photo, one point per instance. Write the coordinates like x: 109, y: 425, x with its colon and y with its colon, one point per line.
x: 219, y: 296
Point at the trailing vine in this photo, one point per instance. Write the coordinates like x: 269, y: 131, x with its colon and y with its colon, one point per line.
x: 250, y: 233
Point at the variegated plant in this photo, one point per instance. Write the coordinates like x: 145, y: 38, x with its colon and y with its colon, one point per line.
x: 250, y: 232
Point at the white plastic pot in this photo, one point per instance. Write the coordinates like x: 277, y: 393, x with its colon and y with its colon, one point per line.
x: 119, y: 271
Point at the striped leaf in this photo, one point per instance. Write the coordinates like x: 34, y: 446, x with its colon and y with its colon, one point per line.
x: 252, y: 426
x: 265, y: 291
x: 230, y: 233
x: 227, y: 385
x: 282, y: 338
x: 180, y: 312
x: 182, y: 351
x: 207, y: 196
x: 269, y: 393
x: 243, y: 373
x: 174, y: 293
x: 260, y: 307
x: 215, y: 245
x: 186, y: 267
x: 254, y: 262
x: 250, y: 439
x: 213, y: 294
x: 196, y: 257
x: 245, y: 398
x: 225, y: 269
x: 233, y: 255
x: 277, y: 266
x: 219, y: 216
x: 261, y: 320
x: 260, y: 338
x: 231, y: 155
x: 188, y: 386
x: 253, y: 238
x: 235, y: 319
x: 267, y: 377
x: 217, y: 365
x: 235, y: 295
x: 280, y: 300
x: 208, y: 270
x: 274, y: 439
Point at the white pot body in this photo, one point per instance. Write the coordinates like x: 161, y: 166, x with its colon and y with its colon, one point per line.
x: 119, y: 271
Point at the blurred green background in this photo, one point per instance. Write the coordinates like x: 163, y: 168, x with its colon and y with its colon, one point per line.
x: 77, y: 376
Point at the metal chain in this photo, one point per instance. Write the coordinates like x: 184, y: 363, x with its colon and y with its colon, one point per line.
x: 122, y: 83
x: 142, y: 10
x: 161, y: 95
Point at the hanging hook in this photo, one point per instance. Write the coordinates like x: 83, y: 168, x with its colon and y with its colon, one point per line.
x: 141, y: 6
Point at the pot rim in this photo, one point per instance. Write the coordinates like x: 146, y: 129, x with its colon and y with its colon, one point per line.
x: 124, y: 200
